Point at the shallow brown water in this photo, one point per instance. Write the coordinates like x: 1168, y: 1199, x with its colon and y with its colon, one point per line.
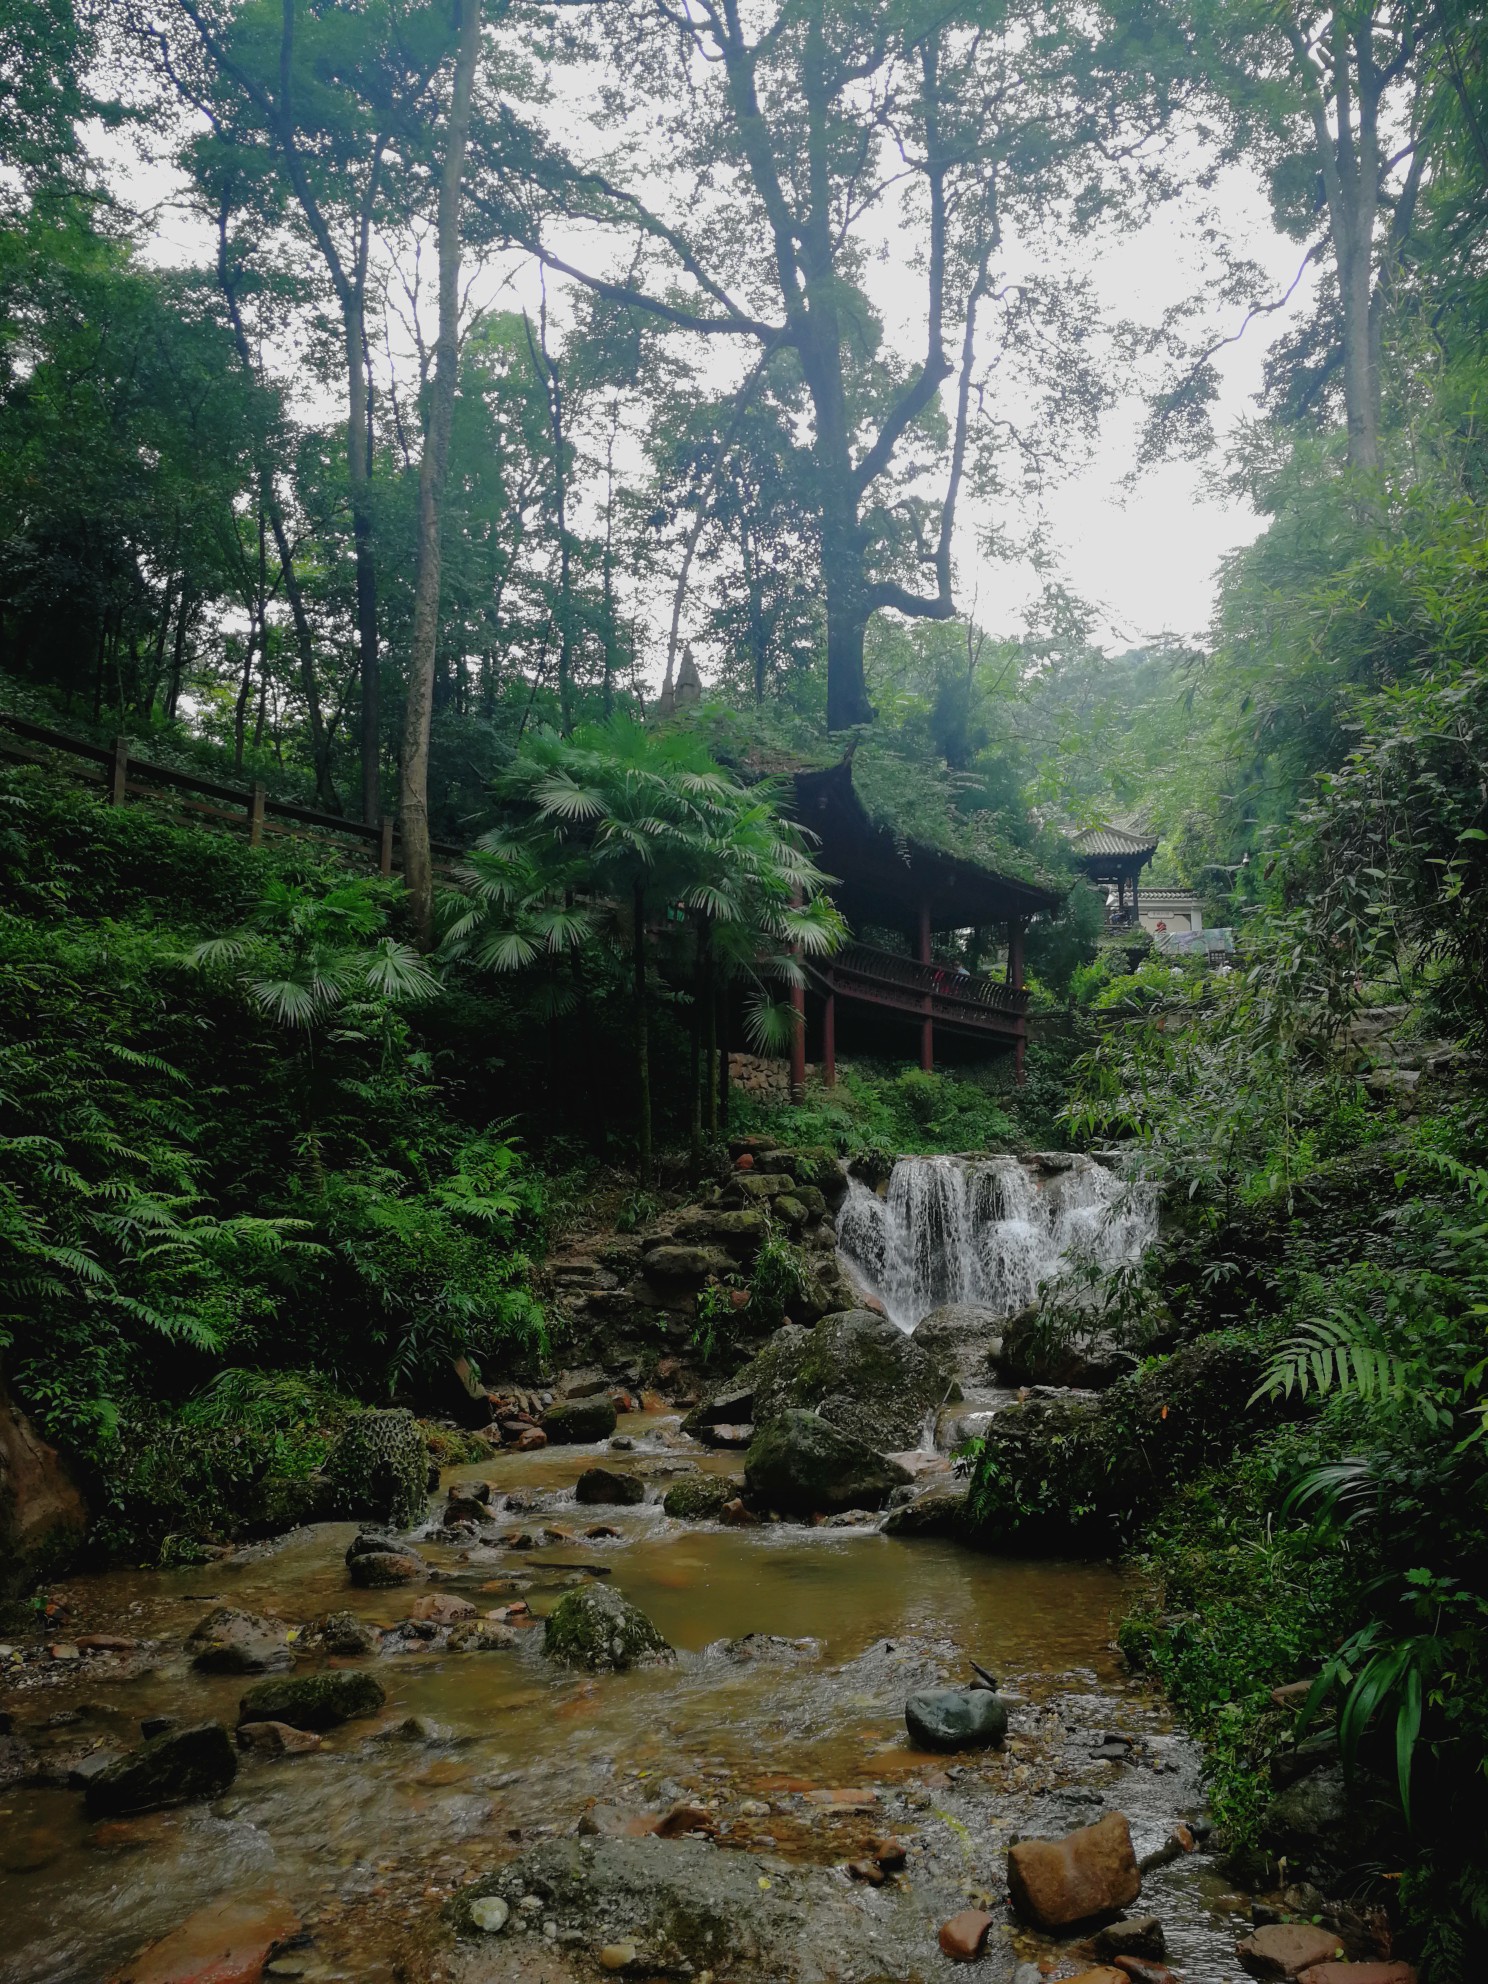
x: 368, y: 1835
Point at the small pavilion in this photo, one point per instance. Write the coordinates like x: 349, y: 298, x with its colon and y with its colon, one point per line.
x: 1115, y: 857
x: 882, y: 880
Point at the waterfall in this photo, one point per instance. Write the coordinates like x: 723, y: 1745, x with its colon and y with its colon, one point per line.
x: 988, y: 1230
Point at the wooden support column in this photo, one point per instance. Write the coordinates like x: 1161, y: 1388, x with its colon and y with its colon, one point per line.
x: 798, y: 1045
x: 119, y: 773
x: 256, y: 800
x: 385, y: 845
x: 927, y: 1024
x: 829, y: 1041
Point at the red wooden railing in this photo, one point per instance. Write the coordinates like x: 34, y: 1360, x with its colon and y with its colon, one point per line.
x: 860, y: 971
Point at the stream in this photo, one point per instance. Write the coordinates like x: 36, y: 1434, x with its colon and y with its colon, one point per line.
x: 368, y: 1835
x: 797, y: 1647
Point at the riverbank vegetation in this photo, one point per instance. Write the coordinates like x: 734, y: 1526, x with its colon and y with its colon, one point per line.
x: 279, y: 1137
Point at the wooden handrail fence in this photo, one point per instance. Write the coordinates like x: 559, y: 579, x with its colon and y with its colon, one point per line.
x: 124, y: 774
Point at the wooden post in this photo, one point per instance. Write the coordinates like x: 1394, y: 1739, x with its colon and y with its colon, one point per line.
x: 798, y: 1044
x: 256, y: 798
x: 829, y: 1041
x: 1016, y: 926
x: 927, y: 1024
x: 385, y: 845
x: 119, y: 773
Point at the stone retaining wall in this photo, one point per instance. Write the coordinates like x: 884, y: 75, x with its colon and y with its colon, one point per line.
x: 758, y: 1075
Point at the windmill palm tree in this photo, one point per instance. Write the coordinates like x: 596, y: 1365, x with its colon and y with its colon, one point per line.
x: 620, y: 819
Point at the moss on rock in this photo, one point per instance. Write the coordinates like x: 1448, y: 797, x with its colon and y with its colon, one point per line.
x: 380, y: 1467
x: 596, y: 1627
x: 313, y: 1701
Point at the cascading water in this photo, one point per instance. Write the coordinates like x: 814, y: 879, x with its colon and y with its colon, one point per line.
x: 988, y: 1230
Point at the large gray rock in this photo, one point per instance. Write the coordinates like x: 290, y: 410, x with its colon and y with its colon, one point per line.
x: 941, y: 1511
x: 199, y: 1762
x: 857, y: 1370
x: 801, y: 1464
x: 228, y: 1641
x: 595, y: 1626
x: 956, y: 1719
x: 961, y: 1338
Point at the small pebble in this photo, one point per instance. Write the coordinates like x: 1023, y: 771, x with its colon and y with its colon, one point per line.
x: 616, y: 1956
x: 490, y: 1913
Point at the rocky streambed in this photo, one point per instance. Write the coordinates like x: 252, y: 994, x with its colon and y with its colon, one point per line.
x: 743, y: 1802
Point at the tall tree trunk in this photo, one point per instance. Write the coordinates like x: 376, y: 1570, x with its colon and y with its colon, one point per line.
x: 413, y: 790
x: 697, y: 1079
x: 178, y: 656
x: 642, y: 1032
x: 710, y: 1041
x: 359, y: 470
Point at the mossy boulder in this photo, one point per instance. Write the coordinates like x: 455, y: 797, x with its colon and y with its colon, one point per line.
x: 580, y: 1422
x: 801, y: 1464
x: 380, y: 1468
x: 956, y: 1719
x: 170, y: 1769
x: 314, y: 1701
x: 595, y: 1626
x: 1070, y: 1472
x: 856, y: 1370
x: 700, y: 1498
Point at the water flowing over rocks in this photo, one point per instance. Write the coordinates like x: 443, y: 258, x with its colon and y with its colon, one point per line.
x: 989, y: 1231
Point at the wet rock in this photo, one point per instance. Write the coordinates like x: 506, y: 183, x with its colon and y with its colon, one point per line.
x: 580, y: 1422
x: 858, y: 1371
x: 1145, y: 1970
x: 802, y: 1464
x: 964, y: 1937
x: 490, y: 1915
x: 375, y: 1570
x: 380, y: 1468
x: 956, y: 1719
x: 276, y: 1739
x: 1104, y: 1975
x: 597, y: 1627
x: 229, y: 1942
x: 700, y: 1498
x: 941, y: 1512
x: 961, y: 1338
x: 866, y: 1870
x: 890, y: 1853
x: 1090, y: 1872
x: 442, y: 1608
x: 380, y: 1543
x: 1286, y: 1949
x: 764, y: 1649
x: 609, y: 1485
x: 737, y: 1515
x: 528, y: 1440
x: 227, y: 1641
x: 344, y: 1634
x: 172, y: 1769
x: 314, y: 1701
x: 1136, y: 1935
